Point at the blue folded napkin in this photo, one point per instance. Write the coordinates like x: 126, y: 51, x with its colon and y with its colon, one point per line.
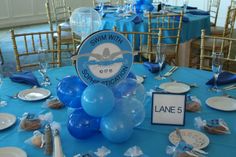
x: 224, y: 78
x: 198, y: 12
x: 153, y: 67
x: 189, y: 7
x: 26, y: 78
x: 137, y: 19
x: 184, y: 19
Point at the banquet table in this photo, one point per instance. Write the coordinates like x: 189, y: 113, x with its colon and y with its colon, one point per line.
x: 191, y: 29
x: 152, y: 139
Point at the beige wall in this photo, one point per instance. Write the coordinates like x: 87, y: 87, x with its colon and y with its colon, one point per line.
x: 23, y: 12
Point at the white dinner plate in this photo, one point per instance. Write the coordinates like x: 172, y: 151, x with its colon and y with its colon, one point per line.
x: 222, y: 103
x: 193, y: 137
x: 34, y: 94
x: 175, y: 87
x: 6, y: 120
x: 12, y: 152
x: 139, y: 79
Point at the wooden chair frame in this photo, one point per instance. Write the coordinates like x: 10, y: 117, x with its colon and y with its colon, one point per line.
x: 233, y: 3
x: 37, y: 39
x: 219, y: 44
x: 213, y: 8
x: 95, y: 3
x: 227, y: 32
x: 141, y: 43
x: 62, y: 14
x: 169, y: 24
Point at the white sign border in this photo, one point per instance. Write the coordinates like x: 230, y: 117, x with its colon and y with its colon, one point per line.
x: 170, y: 94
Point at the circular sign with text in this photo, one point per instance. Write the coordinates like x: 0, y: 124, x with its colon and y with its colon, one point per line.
x: 104, y: 57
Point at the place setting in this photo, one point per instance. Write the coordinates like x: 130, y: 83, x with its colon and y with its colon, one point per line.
x: 7, y: 120
x: 223, y: 101
x: 38, y: 89
x: 12, y: 152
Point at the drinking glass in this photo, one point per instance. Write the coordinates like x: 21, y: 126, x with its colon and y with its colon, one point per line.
x: 217, y: 63
x: 2, y: 103
x: 43, y: 58
x: 160, y: 58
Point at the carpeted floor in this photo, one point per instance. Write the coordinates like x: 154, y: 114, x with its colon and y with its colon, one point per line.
x: 7, y: 48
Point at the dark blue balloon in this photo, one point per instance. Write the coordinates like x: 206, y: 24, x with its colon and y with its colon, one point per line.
x: 69, y: 91
x: 81, y: 125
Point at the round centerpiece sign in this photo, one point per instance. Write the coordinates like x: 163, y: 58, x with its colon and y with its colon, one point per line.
x: 104, y: 57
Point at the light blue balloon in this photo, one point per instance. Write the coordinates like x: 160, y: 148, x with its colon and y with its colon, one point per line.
x: 116, y: 127
x: 132, y: 108
x: 97, y: 100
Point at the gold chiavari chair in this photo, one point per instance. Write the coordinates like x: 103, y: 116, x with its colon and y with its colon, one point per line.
x: 213, y: 8
x: 218, y: 45
x: 26, y: 47
x: 171, y: 25
x: 141, y: 44
x: 60, y: 17
x: 227, y: 32
x: 106, y: 2
x: 233, y: 3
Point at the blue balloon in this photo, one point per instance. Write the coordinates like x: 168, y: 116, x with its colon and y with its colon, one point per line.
x: 132, y: 108
x: 116, y: 127
x: 97, y: 100
x: 129, y: 88
x: 69, y: 91
x: 82, y: 126
x: 124, y: 88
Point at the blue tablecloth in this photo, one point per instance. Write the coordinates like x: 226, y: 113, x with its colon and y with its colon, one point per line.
x: 152, y: 139
x: 190, y: 29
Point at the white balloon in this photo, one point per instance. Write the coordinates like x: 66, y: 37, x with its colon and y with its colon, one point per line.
x: 84, y: 21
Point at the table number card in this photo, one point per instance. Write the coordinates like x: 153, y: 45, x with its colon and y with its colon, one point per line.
x: 168, y: 108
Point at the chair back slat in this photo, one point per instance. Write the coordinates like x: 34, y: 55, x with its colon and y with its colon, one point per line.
x: 229, y: 23
x: 213, y: 8
x: 32, y: 42
x: 140, y: 43
x: 107, y: 2
x: 171, y: 25
x: 225, y: 48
